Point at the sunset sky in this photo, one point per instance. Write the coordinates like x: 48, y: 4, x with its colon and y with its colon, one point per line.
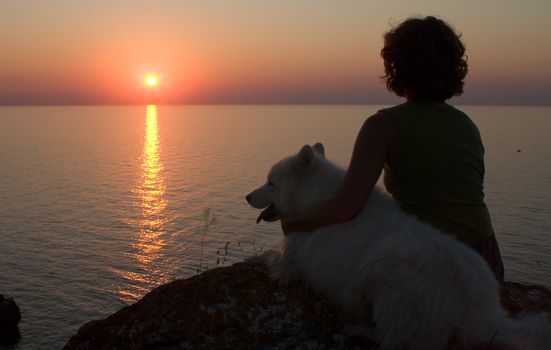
x: 288, y: 51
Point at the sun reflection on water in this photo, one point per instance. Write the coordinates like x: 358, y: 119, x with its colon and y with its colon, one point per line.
x: 153, y: 220
x: 152, y: 193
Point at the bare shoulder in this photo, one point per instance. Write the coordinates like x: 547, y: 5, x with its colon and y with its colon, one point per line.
x: 382, y: 121
x: 381, y: 125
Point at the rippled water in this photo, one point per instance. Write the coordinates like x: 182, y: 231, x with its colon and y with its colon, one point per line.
x: 100, y: 204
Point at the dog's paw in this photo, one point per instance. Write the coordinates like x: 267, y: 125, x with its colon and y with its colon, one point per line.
x: 265, y: 258
x: 270, y: 256
x: 272, y: 260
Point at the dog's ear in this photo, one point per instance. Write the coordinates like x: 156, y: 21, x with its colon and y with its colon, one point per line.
x: 306, y: 155
x: 319, y: 149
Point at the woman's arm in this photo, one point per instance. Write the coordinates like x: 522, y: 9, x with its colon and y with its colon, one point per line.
x: 376, y: 138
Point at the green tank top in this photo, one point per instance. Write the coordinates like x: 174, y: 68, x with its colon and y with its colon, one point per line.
x: 437, y: 171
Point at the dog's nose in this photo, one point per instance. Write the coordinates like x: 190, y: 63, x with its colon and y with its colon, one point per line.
x: 248, y: 198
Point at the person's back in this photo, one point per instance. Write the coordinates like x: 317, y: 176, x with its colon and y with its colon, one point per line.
x: 437, y: 171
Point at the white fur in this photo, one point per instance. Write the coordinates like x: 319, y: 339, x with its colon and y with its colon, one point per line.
x: 418, y: 286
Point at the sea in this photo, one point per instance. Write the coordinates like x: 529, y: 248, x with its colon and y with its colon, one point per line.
x: 100, y: 204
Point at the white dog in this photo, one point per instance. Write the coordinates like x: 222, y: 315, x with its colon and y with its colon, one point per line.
x: 418, y: 287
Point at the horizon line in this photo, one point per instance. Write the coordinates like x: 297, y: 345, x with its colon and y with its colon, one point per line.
x: 259, y: 104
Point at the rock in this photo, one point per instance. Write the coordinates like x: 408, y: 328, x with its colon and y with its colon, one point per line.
x: 9, y: 319
x: 517, y: 298
x: 236, y: 307
x: 241, y: 307
x: 9, y: 313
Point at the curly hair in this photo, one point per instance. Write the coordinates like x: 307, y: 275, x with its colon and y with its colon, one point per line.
x: 424, y: 60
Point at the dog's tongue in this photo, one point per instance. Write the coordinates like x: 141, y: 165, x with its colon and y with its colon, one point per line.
x: 269, y: 214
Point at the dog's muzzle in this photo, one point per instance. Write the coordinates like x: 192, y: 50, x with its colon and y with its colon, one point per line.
x: 270, y: 213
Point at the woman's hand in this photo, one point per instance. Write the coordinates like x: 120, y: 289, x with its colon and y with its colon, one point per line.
x: 325, y: 214
x: 301, y: 224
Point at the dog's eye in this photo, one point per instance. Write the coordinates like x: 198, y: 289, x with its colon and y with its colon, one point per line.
x: 271, y: 184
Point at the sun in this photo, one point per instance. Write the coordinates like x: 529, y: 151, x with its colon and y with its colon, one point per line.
x: 151, y: 80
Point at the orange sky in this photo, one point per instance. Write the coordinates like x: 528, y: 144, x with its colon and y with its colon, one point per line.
x: 240, y: 51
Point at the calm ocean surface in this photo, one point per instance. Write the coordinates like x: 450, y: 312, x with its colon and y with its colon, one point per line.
x: 98, y: 205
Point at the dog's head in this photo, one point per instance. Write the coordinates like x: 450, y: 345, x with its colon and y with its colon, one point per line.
x: 293, y: 185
